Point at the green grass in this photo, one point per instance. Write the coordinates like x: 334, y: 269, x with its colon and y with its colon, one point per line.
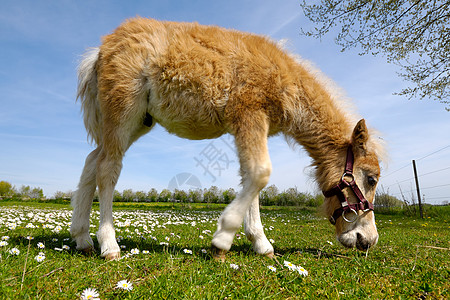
x: 411, y: 259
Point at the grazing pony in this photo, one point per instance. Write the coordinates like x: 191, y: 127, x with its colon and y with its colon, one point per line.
x: 200, y: 82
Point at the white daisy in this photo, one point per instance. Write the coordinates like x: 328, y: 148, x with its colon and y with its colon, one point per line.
x: 302, y: 271
x: 272, y: 268
x: 14, y: 251
x: 290, y: 265
x: 40, y: 257
x: 90, y: 294
x: 125, y: 285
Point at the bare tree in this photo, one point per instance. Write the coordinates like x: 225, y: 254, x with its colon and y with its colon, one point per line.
x: 414, y: 34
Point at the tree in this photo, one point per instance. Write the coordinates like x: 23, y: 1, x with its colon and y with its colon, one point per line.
x: 127, y: 195
x: 211, y: 195
x: 165, y: 196
x: 31, y: 193
x: 228, y: 195
x: 180, y: 195
x: 140, y: 196
x: 195, y: 196
x: 152, y: 195
x: 63, y: 195
x: 117, y: 196
x: 269, y: 195
x: 6, y: 189
x: 414, y: 34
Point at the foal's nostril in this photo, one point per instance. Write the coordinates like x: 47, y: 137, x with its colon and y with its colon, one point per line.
x: 361, y: 243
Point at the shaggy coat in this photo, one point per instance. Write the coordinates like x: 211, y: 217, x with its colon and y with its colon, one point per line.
x: 200, y: 82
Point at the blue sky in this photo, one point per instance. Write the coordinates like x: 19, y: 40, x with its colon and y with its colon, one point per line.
x: 43, y: 141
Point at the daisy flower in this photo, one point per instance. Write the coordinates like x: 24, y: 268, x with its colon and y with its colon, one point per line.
x: 125, y: 285
x: 272, y: 268
x: 302, y: 271
x: 89, y: 294
x: 40, y: 257
x: 145, y: 252
x: 204, y: 251
x: 135, y: 251
x: 14, y: 251
x: 5, y: 238
x: 3, y: 243
x: 234, y: 266
x: 290, y: 265
x: 187, y: 251
x: 65, y: 247
x: 41, y: 245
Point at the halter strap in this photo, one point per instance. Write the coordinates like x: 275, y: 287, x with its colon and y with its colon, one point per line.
x: 337, y: 190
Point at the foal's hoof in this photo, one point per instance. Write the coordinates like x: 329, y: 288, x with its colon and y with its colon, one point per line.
x: 112, y: 256
x: 270, y: 255
x: 218, y: 254
x: 88, y: 251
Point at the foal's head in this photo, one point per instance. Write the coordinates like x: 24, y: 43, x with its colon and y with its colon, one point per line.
x: 349, y: 198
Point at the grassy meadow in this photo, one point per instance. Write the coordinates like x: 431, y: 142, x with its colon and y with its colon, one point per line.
x: 165, y: 255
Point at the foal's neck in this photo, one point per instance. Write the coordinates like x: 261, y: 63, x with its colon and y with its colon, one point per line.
x: 322, y: 128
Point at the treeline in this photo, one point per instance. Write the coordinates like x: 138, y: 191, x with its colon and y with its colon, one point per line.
x: 268, y: 196
x: 7, y: 190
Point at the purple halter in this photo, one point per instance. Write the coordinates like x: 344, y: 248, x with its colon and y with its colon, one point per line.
x: 346, y: 207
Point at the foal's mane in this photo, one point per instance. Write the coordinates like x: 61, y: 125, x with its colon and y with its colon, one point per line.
x: 345, y: 106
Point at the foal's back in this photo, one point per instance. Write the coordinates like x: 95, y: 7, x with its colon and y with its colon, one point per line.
x: 192, y: 79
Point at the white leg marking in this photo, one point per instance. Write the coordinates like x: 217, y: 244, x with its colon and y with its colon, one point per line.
x: 82, y: 203
x: 107, y: 174
x: 255, y: 231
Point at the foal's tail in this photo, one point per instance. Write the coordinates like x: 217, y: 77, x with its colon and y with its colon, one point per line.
x: 88, y: 92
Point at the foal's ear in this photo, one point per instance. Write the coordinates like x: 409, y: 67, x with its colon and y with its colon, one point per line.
x: 360, y: 136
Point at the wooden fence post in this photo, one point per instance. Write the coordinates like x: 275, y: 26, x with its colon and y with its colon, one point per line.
x: 418, y: 189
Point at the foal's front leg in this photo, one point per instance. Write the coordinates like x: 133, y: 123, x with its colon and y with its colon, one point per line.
x: 251, y: 141
x: 255, y: 232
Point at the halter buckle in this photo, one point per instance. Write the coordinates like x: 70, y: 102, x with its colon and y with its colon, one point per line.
x: 346, y: 174
x: 354, y: 219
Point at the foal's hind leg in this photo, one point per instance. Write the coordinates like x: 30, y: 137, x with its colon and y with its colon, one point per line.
x: 251, y: 142
x: 82, y: 203
x: 109, y: 165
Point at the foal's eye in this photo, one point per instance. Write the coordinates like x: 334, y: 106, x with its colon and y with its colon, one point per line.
x: 371, y: 180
